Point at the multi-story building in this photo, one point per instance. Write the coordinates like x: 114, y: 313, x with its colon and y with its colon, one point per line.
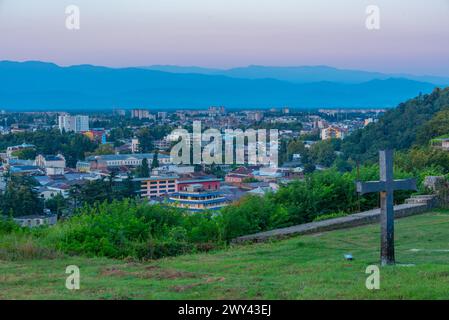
x: 157, y: 186
x: 73, y: 123
x: 162, y: 144
x: 135, y: 145
x: 140, y: 114
x: 207, y: 183
x: 195, y: 198
x: 333, y: 133
x: 53, y: 165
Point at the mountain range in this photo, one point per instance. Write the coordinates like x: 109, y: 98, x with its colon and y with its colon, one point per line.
x: 37, y: 85
x: 301, y: 74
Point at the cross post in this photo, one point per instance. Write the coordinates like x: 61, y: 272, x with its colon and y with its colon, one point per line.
x: 386, y: 186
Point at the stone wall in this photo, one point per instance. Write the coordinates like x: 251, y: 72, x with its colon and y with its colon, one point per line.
x: 413, y: 206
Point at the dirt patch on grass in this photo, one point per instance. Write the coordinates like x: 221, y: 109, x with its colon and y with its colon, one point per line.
x: 182, y: 288
x: 167, y: 274
x: 113, y: 271
x: 150, y: 272
x: 217, y: 279
x: 153, y: 267
x: 185, y: 287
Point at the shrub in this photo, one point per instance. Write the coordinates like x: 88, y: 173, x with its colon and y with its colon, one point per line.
x: 16, y: 246
x: 330, y: 216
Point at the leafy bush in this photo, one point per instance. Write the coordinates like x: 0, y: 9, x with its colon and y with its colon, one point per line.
x: 330, y: 216
x: 250, y: 215
x: 8, y: 225
x: 132, y: 228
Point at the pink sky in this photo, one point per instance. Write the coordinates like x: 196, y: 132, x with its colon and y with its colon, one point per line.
x: 413, y: 37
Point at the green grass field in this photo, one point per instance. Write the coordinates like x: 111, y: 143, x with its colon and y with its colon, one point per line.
x: 307, y: 267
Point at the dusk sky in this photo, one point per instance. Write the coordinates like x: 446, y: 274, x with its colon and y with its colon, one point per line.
x: 413, y: 35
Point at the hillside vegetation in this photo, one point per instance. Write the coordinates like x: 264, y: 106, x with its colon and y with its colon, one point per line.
x: 133, y: 228
x: 412, y: 123
x: 308, y: 267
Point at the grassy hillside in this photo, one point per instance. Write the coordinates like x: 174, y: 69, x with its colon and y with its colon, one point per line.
x: 308, y: 267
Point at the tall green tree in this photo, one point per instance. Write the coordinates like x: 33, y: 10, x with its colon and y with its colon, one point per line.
x: 155, y: 162
x: 143, y: 171
x: 56, y: 204
x: 20, y: 198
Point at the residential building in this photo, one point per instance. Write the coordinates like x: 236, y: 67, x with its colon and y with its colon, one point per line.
x: 134, y: 145
x: 53, y: 165
x: 140, y: 114
x: 162, y: 144
x: 76, y: 123
x: 157, y: 186
x: 333, y: 133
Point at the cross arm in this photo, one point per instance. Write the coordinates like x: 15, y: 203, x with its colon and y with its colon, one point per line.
x: 404, y: 184
x: 370, y: 186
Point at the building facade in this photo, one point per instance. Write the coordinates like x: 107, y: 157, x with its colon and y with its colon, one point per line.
x: 196, y: 199
x: 124, y: 160
x: 157, y: 186
x: 73, y: 123
x: 333, y: 133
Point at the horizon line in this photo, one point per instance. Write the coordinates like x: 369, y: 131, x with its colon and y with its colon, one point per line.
x: 225, y: 69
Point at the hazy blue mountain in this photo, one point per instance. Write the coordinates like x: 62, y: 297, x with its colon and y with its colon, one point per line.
x: 302, y: 74
x: 186, y: 69
x: 46, y: 86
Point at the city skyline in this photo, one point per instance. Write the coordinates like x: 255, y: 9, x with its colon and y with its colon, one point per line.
x: 226, y: 34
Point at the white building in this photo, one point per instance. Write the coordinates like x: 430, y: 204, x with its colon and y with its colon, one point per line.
x: 125, y: 160
x: 53, y: 165
x: 36, y: 220
x: 134, y: 145
x: 73, y: 123
x: 140, y: 114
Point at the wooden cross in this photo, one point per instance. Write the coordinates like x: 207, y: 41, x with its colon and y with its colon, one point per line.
x: 386, y: 186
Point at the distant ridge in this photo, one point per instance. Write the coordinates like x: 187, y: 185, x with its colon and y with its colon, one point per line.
x: 300, y: 74
x: 47, y: 86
